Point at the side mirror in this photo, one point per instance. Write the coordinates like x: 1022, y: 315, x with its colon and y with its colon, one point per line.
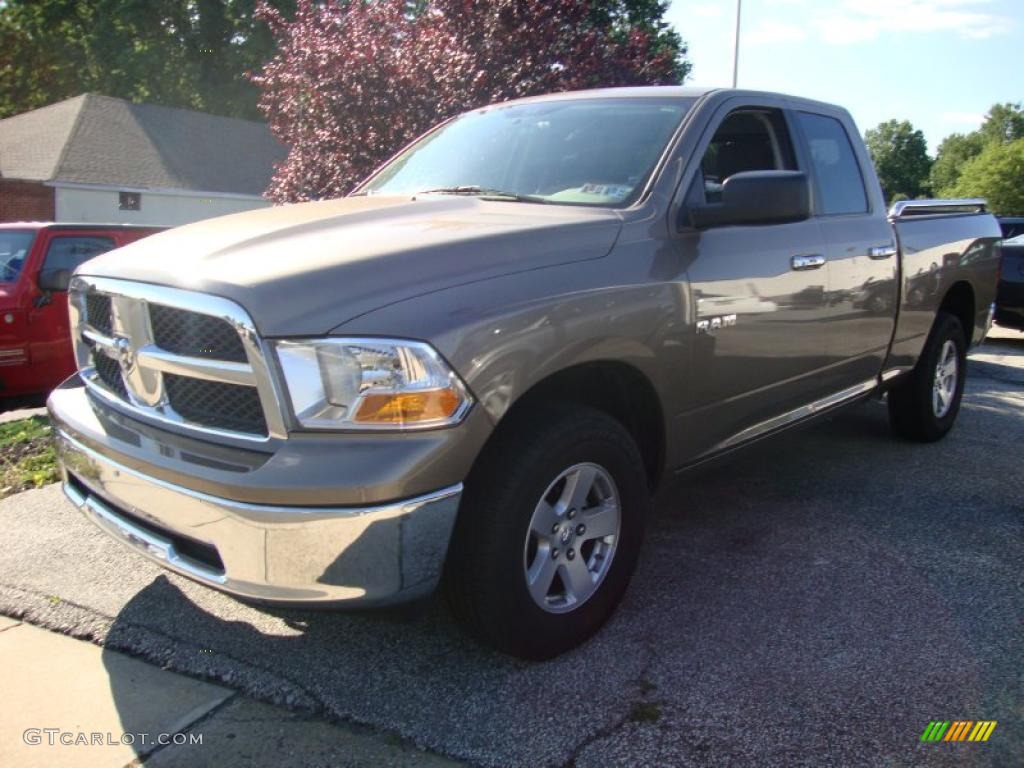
x: 755, y: 197
x: 51, y: 280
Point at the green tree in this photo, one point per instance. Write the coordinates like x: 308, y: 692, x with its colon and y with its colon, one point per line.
x: 625, y: 17
x: 996, y: 174
x: 179, y: 53
x: 954, y: 151
x: 1003, y: 123
x: 900, y: 154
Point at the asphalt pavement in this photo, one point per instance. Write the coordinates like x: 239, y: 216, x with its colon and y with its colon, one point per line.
x: 815, y: 601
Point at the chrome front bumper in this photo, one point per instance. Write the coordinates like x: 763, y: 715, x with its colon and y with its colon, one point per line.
x: 291, y: 555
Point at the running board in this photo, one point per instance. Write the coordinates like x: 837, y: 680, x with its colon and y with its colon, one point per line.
x: 798, y: 414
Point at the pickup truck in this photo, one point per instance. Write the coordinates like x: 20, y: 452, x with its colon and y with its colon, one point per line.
x: 36, y: 262
x: 472, y: 371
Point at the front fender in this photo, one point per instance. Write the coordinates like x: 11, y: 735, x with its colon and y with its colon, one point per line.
x: 506, y: 335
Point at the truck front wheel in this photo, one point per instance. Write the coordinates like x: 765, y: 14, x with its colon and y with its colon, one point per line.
x: 925, y: 404
x: 549, y: 532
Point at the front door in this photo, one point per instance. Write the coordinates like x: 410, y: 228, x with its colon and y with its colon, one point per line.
x: 49, y: 336
x: 759, y: 297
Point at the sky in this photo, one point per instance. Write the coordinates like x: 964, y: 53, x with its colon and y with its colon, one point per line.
x: 938, y: 63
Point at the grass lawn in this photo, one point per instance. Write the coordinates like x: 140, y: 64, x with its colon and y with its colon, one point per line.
x: 27, y: 458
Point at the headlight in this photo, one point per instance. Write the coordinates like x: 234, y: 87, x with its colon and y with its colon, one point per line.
x: 370, y: 384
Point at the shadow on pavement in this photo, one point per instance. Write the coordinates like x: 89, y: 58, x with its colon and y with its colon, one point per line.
x: 21, y: 402
x: 818, y: 599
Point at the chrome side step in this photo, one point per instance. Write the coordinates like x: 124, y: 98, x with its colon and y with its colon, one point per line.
x: 798, y: 414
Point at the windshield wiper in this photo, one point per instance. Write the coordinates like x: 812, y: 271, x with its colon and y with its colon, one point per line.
x: 477, y: 191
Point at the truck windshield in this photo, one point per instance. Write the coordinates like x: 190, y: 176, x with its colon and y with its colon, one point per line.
x: 596, y: 152
x: 14, y: 247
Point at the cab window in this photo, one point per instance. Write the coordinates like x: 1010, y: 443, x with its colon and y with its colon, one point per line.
x: 70, y: 251
x: 747, y: 140
x: 840, y: 183
x: 14, y: 246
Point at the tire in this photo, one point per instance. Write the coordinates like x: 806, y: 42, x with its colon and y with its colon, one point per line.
x: 917, y: 410
x: 505, y: 535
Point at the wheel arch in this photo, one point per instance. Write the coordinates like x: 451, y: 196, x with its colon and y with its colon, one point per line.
x: 960, y: 302
x: 616, y: 388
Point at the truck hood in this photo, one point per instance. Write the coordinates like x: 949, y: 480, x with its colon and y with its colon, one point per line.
x: 306, y: 268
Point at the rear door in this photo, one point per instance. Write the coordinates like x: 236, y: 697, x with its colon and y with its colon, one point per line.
x: 48, y: 332
x: 860, y: 247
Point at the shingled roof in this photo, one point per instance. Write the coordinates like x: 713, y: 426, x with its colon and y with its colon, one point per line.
x: 93, y: 139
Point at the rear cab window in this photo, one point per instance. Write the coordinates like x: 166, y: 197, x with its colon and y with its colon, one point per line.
x: 840, y: 183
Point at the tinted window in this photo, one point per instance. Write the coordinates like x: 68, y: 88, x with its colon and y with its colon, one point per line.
x: 14, y: 245
x: 577, y: 151
x: 840, y: 183
x: 69, y: 252
x: 747, y: 140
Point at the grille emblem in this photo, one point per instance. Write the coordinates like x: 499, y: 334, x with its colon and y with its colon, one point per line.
x: 180, y: 357
x: 125, y: 354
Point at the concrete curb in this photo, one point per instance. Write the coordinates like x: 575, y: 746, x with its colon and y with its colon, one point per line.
x: 168, y: 653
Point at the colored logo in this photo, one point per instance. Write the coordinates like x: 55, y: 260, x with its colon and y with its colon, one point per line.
x: 958, y: 730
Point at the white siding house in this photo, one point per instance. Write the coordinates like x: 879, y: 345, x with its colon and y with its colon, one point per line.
x: 98, y: 159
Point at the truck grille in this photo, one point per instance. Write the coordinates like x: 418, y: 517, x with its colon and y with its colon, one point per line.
x: 211, y: 403
x: 97, y: 311
x: 176, y: 356
x: 186, y: 333
x: 109, y: 373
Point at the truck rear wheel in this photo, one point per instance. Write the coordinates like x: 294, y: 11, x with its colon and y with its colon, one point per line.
x: 549, y: 532
x: 925, y: 404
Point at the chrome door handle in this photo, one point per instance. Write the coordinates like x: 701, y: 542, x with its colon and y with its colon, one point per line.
x: 808, y: 262
x: 882, y: 251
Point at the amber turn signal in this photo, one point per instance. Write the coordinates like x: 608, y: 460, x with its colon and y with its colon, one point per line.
x: 408, y: 407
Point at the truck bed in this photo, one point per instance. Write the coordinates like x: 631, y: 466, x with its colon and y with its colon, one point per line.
x: 941, y: 243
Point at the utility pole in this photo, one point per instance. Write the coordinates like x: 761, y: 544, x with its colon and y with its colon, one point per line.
x: 736, y: 47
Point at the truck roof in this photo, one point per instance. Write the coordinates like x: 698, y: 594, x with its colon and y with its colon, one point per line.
x: 661, y: 91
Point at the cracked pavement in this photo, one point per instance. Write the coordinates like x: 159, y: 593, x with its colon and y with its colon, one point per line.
x: 818, y: 599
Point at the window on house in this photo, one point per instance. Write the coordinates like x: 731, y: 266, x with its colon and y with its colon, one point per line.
x: 130, y: 201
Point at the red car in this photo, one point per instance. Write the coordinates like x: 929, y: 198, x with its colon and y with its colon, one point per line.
x: 36, y: 261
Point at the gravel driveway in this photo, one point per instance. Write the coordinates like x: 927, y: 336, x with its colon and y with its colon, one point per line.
x: 816, y: 601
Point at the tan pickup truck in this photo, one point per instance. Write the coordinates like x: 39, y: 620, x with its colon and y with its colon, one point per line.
x: 474, y: 369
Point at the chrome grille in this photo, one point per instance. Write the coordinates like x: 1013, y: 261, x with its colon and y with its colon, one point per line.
x: 225, y: 406
x: 97, y: 311
x: 109, y: 372
x: 186, y: 358
x: 186, y: 333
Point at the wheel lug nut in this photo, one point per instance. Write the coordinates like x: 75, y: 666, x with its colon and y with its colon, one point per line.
x: 571, y: 554
x: 554, y: 554
x: 555, y: 527
x: 581, y: 529
x: 572, y: 513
